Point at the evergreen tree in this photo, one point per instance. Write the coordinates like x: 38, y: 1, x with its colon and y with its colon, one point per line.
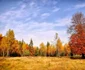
x: 31, y: 43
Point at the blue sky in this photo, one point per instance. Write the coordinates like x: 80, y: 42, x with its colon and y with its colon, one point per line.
x: 38, y: 19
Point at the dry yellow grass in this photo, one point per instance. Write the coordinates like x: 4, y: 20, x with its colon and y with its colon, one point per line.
x: 41, y: 63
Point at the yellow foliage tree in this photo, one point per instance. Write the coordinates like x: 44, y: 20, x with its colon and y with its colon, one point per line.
x: 10, y: 37
x: 15, y: 48
x: 59, y: 47
x: 4, y: 45
x: 42, y: 49
x: 67, y: 49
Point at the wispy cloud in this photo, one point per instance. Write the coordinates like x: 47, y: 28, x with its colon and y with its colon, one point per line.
x: 78, y: 6
x: 24, y: 12
x: 14, y: 14
x: 56, y: 9
x: 31, y: 4
x: 48, y: 2
x: 44, y: 15
x: 64, y: 21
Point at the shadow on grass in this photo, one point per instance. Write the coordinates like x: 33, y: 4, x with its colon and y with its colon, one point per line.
x: 2, y: 59
x: 77, y: 57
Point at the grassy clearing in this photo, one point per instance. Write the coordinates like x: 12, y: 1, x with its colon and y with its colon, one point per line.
x: 41, y: 63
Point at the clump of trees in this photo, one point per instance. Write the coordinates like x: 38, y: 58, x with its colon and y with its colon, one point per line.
x: 77, y: 34
x: 10, y: 46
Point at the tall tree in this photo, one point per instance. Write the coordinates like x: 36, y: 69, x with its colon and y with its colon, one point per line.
x: 31, y: 43
x: 48, y: 49
x: 21, y: 47
x: 31, y: 49
x: 56, y: 40
x: 10, y: 37
x: 0, y: 43
x: 77, y: 31
x: 15, y: 51
x: 4, y: 45
x: 59, y: 47
x: 52, y: 50
x: 42, y: 49
x: 67, y: 49
x: 36, y: 51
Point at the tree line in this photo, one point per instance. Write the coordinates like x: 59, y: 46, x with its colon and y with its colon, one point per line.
x: 10, y: 46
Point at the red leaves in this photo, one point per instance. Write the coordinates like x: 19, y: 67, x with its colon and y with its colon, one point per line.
x: 77, y: 39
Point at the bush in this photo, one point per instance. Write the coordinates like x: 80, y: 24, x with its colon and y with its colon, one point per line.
x: 26, y: 53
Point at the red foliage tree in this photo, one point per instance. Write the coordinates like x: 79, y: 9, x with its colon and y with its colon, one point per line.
x: 77, y: 31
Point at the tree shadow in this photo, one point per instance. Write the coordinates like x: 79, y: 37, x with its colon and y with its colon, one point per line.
x: 2, y: 59
x: 77, y: 57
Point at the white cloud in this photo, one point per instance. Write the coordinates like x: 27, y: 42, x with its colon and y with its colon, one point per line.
x: 75, y: 7
x: 80, y: 6
x: 23, y: 11
x: 44, y: 15
x: 63, y: 22
x: 23, y: 6
x: 56, y: 9
x: 28, y: 19
x: 31, y: 4
x: 14, y: 14
x: 49, y: 2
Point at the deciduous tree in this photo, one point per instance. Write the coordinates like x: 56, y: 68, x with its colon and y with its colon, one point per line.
x: 43, y: 49
x: 77, y: 31
x: 10, y: 37
x: 59, y: 47
x: 4, y: 45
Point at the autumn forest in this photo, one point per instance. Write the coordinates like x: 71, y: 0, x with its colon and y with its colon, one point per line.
x: 9, y: 46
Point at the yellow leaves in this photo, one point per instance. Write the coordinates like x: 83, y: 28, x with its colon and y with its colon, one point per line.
x: 0, y: 37
x: 43, y: 47
x: 59, y: 45
x: 15, y: 47
x: 67, y: 49
x: 10, y: 35
x: 49, y: 49
x: 52, y: 50
x: 24, y: 46
x: 4, y: 43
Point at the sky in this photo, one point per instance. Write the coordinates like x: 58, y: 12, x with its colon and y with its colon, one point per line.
x: 38, y: 20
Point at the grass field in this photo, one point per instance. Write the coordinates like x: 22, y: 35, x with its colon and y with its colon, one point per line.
x: 41, y: 63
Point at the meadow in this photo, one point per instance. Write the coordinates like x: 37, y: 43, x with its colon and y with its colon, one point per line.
x: 41, y: 63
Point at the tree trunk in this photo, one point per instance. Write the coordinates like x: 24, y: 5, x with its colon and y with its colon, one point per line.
x: 7, y: 52
x: 82, y: 55
x: 3, y: 53
x: 71, y: 54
